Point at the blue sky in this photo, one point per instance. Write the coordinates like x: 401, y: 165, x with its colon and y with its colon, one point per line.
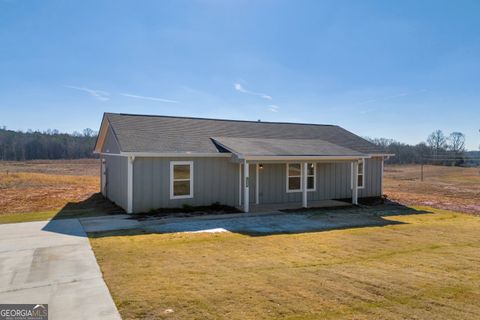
x: 395, y: 69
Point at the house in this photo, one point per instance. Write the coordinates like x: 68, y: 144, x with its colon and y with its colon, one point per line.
x: 151, y: 162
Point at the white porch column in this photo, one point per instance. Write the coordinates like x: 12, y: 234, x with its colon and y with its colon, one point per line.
x: 257, y: 189
x: 130, y: 161
x: 381, y: 180
x: 355, y: 182
x: 246, y: 184
x: 304, y: 184
x: 239, y: 184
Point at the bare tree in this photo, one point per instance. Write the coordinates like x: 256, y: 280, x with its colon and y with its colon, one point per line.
x: 456, y: 142
x: 87, y: 132
x: 437, y: 141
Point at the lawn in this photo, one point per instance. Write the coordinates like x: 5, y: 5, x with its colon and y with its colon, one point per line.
x: 426, y: 267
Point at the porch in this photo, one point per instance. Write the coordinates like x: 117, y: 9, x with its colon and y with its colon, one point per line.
x: 272, y: 207
x: 284, y: 171
x: 266, y: 186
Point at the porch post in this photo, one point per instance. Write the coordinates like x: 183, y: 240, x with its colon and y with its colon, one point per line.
x: 239, y: 184
x: 355, y: 182
x: 304, y: 184
x: 257, y: 189
x: 381, y: 180
x: 245, y: 187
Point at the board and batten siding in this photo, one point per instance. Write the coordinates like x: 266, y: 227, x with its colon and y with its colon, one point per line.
x: 373, y: 178
x: 116, y: 184
x: 333, y: 181
x: 214, y: 180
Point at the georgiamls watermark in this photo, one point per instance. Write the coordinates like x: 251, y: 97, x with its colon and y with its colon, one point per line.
x: 23, y: 311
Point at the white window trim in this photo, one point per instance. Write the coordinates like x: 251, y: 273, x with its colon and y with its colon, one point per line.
x: 358, y: 174
x: 301, y: 177
x: 172, y: 164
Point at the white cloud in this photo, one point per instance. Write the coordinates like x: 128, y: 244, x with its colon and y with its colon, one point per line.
x: 273, y: 108
x: 237, y: 86
x: 147, y: 98
x: 97, y: 94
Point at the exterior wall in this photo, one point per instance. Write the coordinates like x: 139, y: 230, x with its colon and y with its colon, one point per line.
x: 373, y: 178
x: 110, y: 145
x: 116, y: 184
x: 333, y: 181
x: 215, y: 179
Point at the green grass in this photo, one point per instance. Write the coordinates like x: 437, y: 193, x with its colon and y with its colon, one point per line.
x: 425, y: 268
x: 47, y: 215
x: 27, y: 217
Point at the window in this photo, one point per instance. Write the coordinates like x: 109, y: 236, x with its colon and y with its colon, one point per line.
x: 361, y: 174
x: 181, y: 179
x: 294, y: 177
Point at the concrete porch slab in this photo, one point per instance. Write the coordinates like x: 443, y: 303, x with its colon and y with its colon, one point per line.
x: 270, y: 207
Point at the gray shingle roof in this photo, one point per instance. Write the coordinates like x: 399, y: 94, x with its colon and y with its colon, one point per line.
x: 164, y: 134
x: 284, y: 147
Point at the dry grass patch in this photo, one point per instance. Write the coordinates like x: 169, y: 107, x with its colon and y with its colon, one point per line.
x: 31, y: 192
x: 425, y: 268
x: 45, y: 186
x: 451, y: 188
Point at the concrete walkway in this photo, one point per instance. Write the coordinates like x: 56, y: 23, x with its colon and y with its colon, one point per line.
x: 52, y: 262
x: 251, y: 223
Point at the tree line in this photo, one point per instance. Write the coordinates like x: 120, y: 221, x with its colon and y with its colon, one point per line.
x: 49, y: 144
x: 437, y: 149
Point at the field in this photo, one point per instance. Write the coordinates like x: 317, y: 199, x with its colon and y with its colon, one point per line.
x: 451, y: 188
x: 38, y: 190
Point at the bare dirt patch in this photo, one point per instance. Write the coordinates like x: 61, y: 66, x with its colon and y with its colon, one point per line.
x: 451, y: 188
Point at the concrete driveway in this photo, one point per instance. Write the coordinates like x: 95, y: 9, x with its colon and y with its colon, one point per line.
x: 52, y: 262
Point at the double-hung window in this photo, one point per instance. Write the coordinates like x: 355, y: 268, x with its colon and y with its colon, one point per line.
x: 295, y: 174
x: 181, y: 179
x: 360, y: 174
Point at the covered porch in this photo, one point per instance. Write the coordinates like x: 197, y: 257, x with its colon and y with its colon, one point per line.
x: 276, y: 174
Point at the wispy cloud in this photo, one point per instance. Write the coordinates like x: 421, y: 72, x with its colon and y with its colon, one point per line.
x: 135, y: 96
x: 273, y: 108
x: 398, y: 95
x: 97, y: 94
x: 237, y: 86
